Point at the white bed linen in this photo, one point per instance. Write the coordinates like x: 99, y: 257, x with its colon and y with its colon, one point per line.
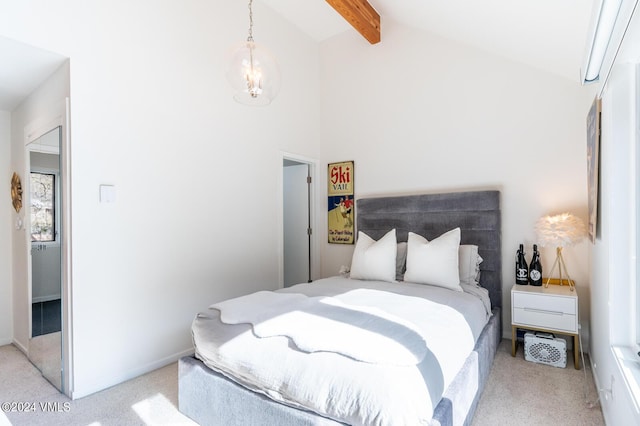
x: 332, y: 324
x: 340, y: 387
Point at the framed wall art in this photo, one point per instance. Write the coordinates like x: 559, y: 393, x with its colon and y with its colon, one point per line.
x: 16, y: 192
x: 593, y: 158
x: 341, y: 205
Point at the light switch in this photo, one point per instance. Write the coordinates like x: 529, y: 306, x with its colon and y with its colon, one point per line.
x: 107, y: 194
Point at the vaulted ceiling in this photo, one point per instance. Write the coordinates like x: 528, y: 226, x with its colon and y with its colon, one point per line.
x: 547, y: 34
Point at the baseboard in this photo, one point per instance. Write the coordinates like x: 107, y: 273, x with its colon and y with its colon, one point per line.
x: 595, y: 399
x: 24, y: 349
x: 131, y: 374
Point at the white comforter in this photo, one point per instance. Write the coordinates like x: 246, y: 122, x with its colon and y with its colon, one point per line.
x: 390, y: 369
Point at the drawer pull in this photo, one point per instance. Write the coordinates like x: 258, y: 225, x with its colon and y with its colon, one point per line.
x: 542, y: 311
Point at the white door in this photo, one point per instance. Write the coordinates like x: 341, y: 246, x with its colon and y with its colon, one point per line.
x: 296, y: 223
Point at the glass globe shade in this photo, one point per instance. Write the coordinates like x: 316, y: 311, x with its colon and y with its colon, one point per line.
x: 254, y: 75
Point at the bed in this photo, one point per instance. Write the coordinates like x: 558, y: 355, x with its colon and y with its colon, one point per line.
x: 218, y: 396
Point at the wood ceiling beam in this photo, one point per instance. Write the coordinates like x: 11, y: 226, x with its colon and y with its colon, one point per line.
x: 361, y: 15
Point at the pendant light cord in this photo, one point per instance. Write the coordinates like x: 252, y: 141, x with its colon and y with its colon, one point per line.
x: 250, y: 37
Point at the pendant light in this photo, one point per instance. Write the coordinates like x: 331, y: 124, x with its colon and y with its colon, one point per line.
x: 253, y: 72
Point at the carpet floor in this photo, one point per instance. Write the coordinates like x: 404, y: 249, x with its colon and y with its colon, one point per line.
x: 517, y: 393
x: 150, y: 399
x: 520, y: 392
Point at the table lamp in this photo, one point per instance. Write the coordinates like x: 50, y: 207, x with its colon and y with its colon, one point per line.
x: 560, y: 231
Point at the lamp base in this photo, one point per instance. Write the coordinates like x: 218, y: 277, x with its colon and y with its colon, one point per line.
x: 557, y: 281
x: 559, y: 263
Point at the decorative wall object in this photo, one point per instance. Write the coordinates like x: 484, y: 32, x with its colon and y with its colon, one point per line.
x: 341, y: 204
x: 593, y: 154
x: 16, y: 192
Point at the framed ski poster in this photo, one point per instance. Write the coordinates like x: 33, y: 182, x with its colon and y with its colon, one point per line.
x: 341, y: 205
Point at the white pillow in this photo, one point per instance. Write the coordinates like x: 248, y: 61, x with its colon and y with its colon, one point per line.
x: 469, y: 261
x: 375, y: 260
x: 434, y: 262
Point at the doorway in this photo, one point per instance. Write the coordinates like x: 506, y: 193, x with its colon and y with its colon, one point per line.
x: 297, y: 219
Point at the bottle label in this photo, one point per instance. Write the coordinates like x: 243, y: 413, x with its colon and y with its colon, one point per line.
x: 522, y: 273
x: 535, y: 275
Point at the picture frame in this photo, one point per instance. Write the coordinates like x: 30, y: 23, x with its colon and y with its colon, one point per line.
x: 16, y: 192
x: 593, y: 166
x: 340, y: 203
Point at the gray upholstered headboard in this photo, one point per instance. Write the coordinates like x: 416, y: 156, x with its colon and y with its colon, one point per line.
x: 477, y: 214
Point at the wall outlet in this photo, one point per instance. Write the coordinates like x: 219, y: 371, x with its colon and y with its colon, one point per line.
x: 608, y: 393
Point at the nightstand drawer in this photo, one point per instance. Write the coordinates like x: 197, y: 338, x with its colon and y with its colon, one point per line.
x: 544, y: 302
x: 552, y: 309
x: 545, y: 318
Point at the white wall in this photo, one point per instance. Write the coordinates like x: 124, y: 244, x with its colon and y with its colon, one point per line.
x: 419, y: 113
x: 6, y: 224
x: 196, y: 174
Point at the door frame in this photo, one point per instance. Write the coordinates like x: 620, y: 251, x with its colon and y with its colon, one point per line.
x: 58, y: 116
x: 313, y: 203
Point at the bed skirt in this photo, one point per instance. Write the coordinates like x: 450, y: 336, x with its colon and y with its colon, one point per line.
x: 210, y: 398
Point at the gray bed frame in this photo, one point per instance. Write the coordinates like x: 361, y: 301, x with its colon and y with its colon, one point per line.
x: 210, y: 398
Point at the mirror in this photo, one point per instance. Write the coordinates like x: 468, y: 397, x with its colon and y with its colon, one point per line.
x: 42, y: 201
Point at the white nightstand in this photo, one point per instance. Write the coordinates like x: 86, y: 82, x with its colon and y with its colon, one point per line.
x: 553, y: 309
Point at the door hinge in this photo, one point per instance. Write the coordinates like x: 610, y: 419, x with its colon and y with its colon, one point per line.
x: 308, y: 179
x: 309, y: 231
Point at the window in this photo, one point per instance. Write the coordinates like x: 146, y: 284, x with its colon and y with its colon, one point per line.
x: 43, y: 212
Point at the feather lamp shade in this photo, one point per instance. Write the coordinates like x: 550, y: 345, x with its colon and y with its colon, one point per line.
x: 560, y: 231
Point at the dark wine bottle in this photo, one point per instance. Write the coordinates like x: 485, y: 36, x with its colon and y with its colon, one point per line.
x: 535, y: 269
x: 522, y: 272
